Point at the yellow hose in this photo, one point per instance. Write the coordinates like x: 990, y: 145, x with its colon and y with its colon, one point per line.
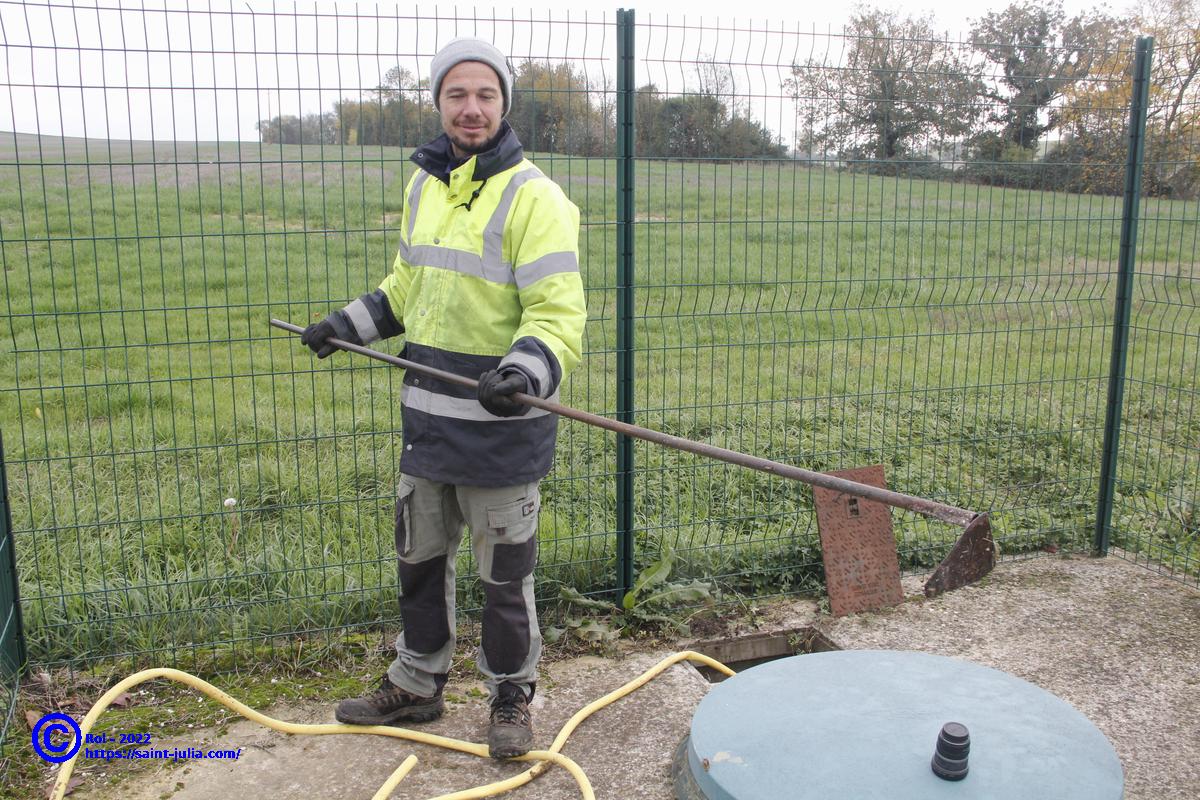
x: 543, y: 757
x: 385, y: 791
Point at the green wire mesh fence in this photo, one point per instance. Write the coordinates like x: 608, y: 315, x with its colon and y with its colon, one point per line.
x: 1156, y: 507
x: 876, y: 246
x: 183, y: 477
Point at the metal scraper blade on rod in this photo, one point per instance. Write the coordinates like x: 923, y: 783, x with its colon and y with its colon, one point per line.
x: 930, y: 508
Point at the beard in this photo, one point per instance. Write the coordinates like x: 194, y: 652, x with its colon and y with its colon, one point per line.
x: 468, y: 149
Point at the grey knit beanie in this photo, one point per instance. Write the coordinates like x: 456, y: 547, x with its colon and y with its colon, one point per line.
x: 470, y: 49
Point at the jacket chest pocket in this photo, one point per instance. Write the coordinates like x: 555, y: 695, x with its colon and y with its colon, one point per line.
x: 462, y: 229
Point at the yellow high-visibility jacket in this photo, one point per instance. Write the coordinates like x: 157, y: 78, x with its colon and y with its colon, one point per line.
x: 487, y: 277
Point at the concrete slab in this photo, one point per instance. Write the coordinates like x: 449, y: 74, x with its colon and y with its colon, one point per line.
x: 1117, y: 641
x: 625, y: 749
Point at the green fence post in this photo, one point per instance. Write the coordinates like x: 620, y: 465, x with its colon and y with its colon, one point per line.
x: 1125, y: 267
x: 13, y: 657
x: 625, y: 278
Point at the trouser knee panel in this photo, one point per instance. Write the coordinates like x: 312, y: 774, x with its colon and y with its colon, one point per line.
x: 506, y: 626
x: 423, y: 604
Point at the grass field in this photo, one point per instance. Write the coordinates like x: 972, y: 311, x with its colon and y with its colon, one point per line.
x: 956, y: 333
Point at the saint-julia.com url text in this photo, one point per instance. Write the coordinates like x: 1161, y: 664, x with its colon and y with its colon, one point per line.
x: 171, y: 753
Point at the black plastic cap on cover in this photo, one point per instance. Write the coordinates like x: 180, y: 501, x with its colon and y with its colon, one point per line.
x: 950, y: 756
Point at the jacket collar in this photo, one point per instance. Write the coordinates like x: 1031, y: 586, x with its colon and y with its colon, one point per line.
x: 438, y: 159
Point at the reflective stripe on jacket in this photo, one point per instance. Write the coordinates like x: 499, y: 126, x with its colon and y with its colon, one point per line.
x: 487, y: 276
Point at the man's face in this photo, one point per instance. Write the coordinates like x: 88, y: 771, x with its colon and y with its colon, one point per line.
x: 472, y: 106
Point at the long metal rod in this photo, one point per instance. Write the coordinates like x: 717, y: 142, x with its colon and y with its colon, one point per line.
x: 1138, y: 103
x: 930, y: 508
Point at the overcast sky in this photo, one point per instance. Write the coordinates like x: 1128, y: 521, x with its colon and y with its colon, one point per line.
x: 953, y: 16
x: 106, y: 69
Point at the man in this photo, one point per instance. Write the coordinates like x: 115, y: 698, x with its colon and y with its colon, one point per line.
x: 486, y: 284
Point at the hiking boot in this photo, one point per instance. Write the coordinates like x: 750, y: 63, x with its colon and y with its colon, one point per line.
x: 511, y: 731
x: 388, y: 705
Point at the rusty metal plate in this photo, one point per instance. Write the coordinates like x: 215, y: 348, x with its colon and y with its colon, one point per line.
x: 972, y: 557
x: 862, y: 571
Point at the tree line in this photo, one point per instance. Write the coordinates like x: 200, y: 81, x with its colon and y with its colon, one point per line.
x: 556, y: 109
x: 1034, y: 98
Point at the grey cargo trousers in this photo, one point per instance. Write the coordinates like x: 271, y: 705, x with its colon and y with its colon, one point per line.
x: 430, y: 518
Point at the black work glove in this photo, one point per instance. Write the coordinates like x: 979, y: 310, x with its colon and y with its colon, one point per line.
x: 496, y: 389
x: 316, y: 336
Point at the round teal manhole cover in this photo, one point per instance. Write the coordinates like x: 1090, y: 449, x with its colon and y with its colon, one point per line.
x: 864, y: 724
